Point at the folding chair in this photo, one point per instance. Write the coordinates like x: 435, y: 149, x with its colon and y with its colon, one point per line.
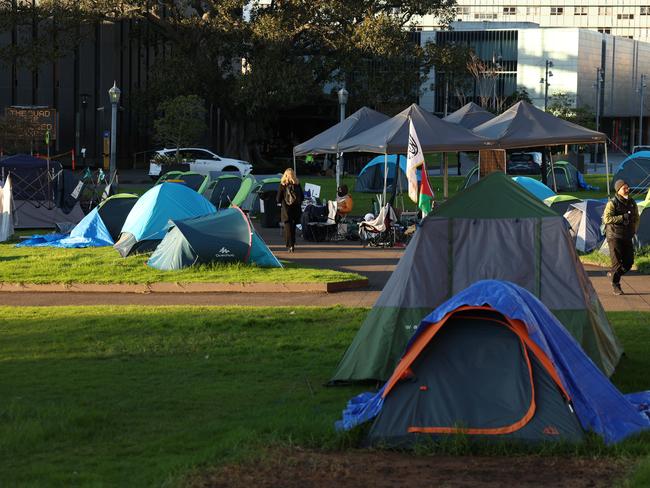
x: 380, y: 232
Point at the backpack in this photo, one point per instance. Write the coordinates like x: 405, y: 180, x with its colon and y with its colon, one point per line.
x: 290, y: 196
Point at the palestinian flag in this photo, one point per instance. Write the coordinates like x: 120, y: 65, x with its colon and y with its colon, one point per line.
x: 425, y: 202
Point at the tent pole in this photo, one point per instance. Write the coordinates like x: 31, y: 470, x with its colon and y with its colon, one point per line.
x: 294, y: 163
x: 479, y: 165
x: 606, y: 166
x: 445, y: 176
x: 550, y: 158
x: 385, y: 178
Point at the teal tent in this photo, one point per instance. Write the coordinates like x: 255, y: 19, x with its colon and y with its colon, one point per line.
x: 147, y: 221
x: 224, y: 237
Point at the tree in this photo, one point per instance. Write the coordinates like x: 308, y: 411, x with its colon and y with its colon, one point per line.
x: 563, y: 105
x: 452, y: 61
x: 182, y: 122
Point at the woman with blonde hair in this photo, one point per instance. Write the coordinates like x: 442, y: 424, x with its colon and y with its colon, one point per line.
x: 290, y: 197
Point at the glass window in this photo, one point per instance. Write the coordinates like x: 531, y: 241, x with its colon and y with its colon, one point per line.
x: 462, y: 10
x: 509, y: 10
x: 645, y: 11
x: 605, y: 30
x: 557, y: 10
x: 532, y: 10
x: 625, y: 16
x: 604, y: 10
x: 580, y: 10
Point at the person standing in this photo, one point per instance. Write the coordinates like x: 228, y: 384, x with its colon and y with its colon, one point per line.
x: 290, y: 197
x: 621, y: 219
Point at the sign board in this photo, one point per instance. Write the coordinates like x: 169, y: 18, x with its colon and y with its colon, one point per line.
x: 40, y: 119
x: 312, y: 190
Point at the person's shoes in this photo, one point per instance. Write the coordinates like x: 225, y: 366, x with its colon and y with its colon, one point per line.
x: 617, y: 289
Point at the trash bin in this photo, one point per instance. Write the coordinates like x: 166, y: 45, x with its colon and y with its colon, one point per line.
x: 270, y: 209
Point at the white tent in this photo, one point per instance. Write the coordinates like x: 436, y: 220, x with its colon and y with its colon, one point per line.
x: 6, y: 210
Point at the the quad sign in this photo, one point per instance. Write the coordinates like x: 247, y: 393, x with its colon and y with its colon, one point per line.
x: 40, y: 119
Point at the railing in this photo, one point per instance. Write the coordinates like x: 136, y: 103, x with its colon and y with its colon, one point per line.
x: 145, y: 159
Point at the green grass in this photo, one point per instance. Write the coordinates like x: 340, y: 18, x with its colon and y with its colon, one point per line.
x: 132, y: 396
x: 104, y: 265
x: 641, y: 260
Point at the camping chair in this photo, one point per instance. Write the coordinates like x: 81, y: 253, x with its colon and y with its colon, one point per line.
x: 380, y: 232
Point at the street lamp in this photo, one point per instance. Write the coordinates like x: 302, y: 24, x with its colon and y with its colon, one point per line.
x: 548, y: 73
x: 343, y: 100
x: 114, y: 96
x: 642, y: 85
x: 598, y: 85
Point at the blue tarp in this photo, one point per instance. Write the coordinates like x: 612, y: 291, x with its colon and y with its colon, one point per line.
x: 599, y: 406
x: 150, y: 215
x: 90, y: 232
x: 536, y: 187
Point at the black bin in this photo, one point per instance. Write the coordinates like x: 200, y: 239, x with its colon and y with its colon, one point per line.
x: 270, y: 217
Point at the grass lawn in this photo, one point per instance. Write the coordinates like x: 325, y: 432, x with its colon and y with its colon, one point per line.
x: 137, y: 396
x: 104, y: 265
x: 641, y: 262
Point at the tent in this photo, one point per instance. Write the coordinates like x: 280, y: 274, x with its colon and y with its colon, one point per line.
x: 635, y: 170
x: 643, y: 232
x: 224, y: 237
x: 264, y: 189
x: 146, y: 224
x: 191, y: 179
x: 585, y: 219
x: 41, y: 192
x: 327, y: 142
x: 493, y: 363
x: 561, y: 203
x: 566, y: 176
x: 6, y: 210
x: 493, y: 230
x: 469, y: 116
x: 536, y: 187
x: 221, y: 191
x: 371, y: 177
x: 243, y: 194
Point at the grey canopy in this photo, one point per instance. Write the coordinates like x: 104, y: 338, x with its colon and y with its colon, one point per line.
x: 524, y: 125
x: 327, y: 142
x: 435, y: 135
x: 469, y: 116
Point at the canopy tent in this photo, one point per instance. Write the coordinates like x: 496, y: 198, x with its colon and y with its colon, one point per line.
x: 536, y: 187
x: 561, y: 203
x: 146, y: 224
x: 327, y: 141
x: 101, y: 227
x: 635, y: 171
x: 524, y: 125
x: 224, y: 237
x: 493, y: 362
x: 371, y: 177
x: 585, y: 219
x: 469, y: 116
x: 493, y: 230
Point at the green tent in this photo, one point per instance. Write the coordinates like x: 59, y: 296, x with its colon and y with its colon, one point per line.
x: 566, y: 176
x: 191, y: 179
x: 561, y: 203
x: 493, y: 230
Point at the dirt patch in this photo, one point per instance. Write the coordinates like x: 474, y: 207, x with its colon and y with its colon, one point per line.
x: 382, y: 469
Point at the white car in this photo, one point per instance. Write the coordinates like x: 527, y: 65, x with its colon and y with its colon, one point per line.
x: 196, y: 159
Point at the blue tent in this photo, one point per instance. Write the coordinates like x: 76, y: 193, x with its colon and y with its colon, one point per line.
x: 536, y: 187
x: 635, y: 171
x: 147, y: 222
x: 224, y: 237
x: 597, y: 404
x: 371, y: 177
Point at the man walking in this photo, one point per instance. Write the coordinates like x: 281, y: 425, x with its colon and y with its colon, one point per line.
x: 621, y: 219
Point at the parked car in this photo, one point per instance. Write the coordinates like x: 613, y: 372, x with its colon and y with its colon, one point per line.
x: 194, y: 159
x: 524, y: 164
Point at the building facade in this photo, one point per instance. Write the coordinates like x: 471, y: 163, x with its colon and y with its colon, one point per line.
x: 520, y: 54
x: 624, y: 18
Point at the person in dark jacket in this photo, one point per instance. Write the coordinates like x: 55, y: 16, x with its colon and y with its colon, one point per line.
x: 290, y: 197
x: 621, y: 219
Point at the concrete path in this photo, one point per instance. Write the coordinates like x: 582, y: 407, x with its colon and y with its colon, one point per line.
x: 376, y: 264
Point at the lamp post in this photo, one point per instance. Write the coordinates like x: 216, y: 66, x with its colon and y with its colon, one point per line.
x: 642, y: 85
x: 343, y: 100
x: 548, y: 73
x: 598, y: 85
x: 114, y: 96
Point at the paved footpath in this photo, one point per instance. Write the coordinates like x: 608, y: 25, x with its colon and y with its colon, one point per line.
x: 376, y: 264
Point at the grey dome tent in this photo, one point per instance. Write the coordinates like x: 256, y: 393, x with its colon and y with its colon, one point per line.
x: 585, y: 219
x: 191, y: 179
x: 469, y: 116
x: 635, y: 171
x: 493, y: 230
x: 371, y: 177
x: 566, y: 176
x: 220, y: 192
x: 224, y: 237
